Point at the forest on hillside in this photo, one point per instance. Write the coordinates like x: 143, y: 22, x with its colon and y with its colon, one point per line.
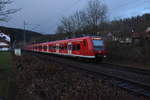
x: 121, y: 28
x: 94, y: 20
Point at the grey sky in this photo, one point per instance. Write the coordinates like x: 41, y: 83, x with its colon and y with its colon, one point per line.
x: 47, y: 13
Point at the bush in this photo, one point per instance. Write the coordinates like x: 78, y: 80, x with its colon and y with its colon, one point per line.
x: 128, y: 52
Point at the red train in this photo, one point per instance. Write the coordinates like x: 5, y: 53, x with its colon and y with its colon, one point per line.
x: 85, y: 47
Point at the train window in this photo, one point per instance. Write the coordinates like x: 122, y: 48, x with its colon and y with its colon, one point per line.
x: 78, y: 47
x: 69, y: 47
x: 45, y: 47
x: 40, y: 47
x: 84, y: 42
x: 74, y: 47
x: 65, y: 47
x: 62, y: 47
x: 54, y: 47
x: 57, y: 47
x: 50, y: 47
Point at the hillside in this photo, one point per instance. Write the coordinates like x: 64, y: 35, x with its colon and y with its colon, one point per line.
x: 18, y: 34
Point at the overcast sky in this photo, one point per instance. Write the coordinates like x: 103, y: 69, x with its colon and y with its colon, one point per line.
x: 47, y: 13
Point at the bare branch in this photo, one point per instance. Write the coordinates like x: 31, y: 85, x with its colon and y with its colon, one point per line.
x: 4, y: 12
x: 87, y: 19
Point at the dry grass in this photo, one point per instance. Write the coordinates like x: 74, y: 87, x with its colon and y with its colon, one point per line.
x: 5, y: 67
x: 129, y: 54
x: 40, y: 80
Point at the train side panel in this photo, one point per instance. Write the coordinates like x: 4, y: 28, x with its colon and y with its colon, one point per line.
x: 78, y: 47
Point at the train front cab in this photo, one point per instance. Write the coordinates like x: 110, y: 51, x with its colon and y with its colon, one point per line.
x: 99, y: 48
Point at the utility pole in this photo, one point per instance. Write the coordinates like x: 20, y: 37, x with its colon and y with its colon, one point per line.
x: 24, y: 34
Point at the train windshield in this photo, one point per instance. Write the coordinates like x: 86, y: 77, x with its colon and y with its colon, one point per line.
x: 98, y: 44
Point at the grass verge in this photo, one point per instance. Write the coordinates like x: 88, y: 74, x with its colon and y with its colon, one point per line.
x: 5, y: 67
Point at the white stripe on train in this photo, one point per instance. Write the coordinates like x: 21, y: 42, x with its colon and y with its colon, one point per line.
x: 68, y: 54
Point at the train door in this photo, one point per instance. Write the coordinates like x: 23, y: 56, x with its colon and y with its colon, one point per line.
x: 57, y: 48
x: 47, y: 48
x: 69, y: 48
x: 84, y: 47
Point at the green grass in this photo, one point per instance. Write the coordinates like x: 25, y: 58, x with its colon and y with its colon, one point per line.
x: 5, y: 60
x: 5, y: 67
x: 4, y: 85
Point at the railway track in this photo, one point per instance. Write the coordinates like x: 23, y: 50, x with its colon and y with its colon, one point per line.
x: 127, y: 68
x: 132, y: 79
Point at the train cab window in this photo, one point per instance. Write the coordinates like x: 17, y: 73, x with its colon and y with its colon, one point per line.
x: 98, y: 44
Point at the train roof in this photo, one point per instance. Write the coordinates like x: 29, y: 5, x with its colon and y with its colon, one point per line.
x: 79, y: 38
x: 71, y: 39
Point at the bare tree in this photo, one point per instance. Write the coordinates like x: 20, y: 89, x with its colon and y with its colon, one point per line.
x: 96, y: 13
x: 5, y: 12
x: 67, y: 24
x: 60, y: 29
x: 86, y: 20
x: 72, y: 24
